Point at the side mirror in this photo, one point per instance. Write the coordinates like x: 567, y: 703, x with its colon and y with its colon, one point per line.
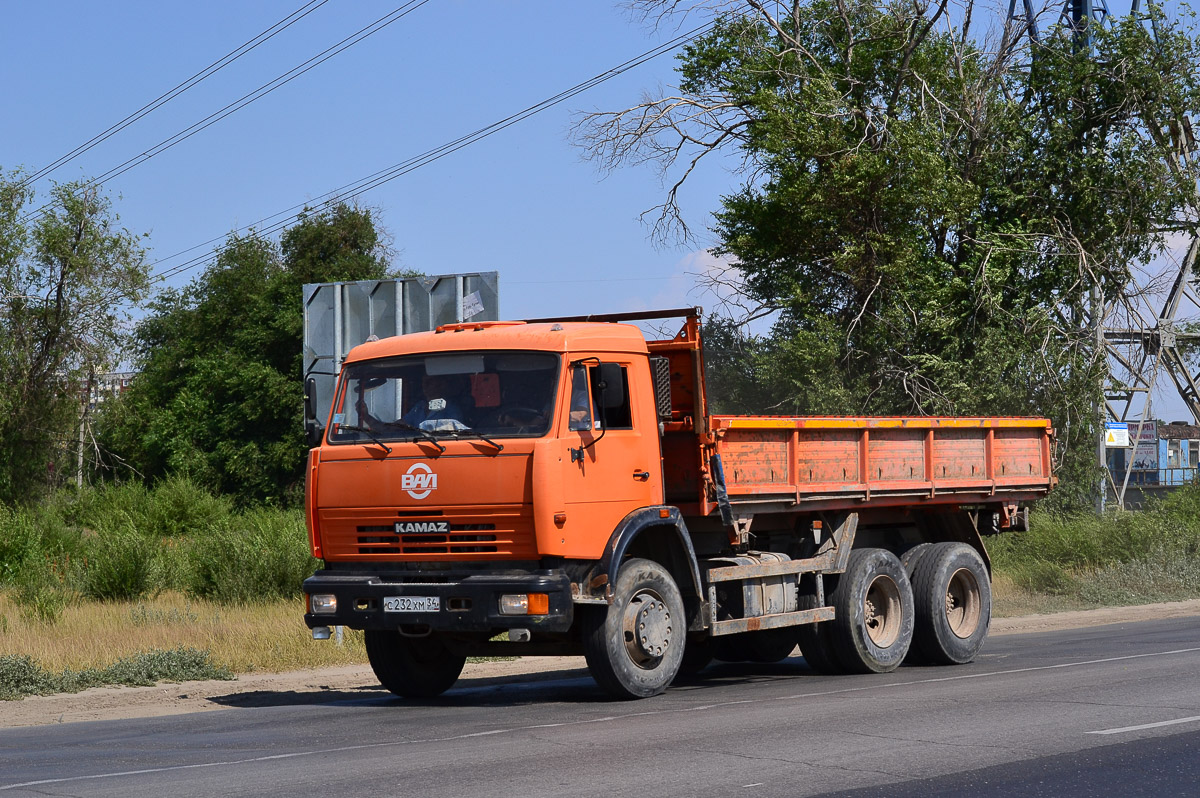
x: 612, y: 387
x: 312, y: 428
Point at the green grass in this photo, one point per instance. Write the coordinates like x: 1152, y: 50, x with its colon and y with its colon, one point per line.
x: 21, y: 676
x: 126, y: 542
x: 1120, y: 558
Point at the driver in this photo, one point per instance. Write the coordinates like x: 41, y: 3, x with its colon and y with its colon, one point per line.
x: 445, y: 396
x: 526, y: 401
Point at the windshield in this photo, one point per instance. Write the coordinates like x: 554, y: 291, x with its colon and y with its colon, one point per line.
x: 493, y: 394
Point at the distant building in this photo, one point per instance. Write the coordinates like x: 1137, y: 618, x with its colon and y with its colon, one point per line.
x: 1167, y: 456
x: 1178, y: 453
x: 109, y: 385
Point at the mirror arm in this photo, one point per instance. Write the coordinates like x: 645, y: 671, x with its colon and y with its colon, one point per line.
x: 577, y: 454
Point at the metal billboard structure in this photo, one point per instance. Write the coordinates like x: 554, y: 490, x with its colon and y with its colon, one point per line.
x: 340, y: 316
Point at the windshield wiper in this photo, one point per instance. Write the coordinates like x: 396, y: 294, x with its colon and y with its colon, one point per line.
x: 374, y: 438
x: 454, y: 433
x: 421, y: 434
x: 499, y: 448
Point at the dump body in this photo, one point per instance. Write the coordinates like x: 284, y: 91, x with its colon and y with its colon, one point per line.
x: 847, y: 463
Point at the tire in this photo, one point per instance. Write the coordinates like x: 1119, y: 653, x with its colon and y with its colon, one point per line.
x: 953, y: 598
x: 911, y: 557
x: 873, y: 601
x: 635, y: 645
x: 412, y: 667
x: 815, y: 643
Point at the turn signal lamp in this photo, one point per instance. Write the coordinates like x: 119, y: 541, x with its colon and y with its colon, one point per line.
x: 525, y: 604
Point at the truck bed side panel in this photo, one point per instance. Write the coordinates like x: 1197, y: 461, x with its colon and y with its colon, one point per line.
x: 852, y: 460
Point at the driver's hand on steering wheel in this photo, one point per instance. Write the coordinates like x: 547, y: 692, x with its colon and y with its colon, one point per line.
x: 522, y: 417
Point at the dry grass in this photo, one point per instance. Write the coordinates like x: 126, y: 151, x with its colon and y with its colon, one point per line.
x: 1010, y: 601
x: 268, y: 637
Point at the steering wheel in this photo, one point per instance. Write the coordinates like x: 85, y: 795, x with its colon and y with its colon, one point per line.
x: 522, y: 415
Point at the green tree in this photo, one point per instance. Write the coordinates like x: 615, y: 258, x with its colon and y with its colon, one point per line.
x: 219, y: 395
x: 934, y: 220
x: 68, y: 280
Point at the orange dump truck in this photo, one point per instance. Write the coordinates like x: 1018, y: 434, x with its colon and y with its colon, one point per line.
x: 557, y: 486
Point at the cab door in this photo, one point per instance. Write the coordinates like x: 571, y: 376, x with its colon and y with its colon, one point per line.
x: 611, y: 460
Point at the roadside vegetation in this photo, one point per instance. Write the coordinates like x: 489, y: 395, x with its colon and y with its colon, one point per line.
x: 1080, y: 560
x: 128, y: 585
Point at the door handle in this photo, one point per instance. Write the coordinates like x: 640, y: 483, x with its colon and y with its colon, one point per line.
x: 642, y: 475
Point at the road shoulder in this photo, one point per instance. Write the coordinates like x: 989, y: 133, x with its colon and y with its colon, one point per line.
x: 357, y: 682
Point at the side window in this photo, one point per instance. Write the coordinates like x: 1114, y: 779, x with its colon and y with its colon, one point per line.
x: 581, y: 403
x: 619, y: 415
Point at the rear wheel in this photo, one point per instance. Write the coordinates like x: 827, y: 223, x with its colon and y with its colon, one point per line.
x: 815, y: 642
x: 912, y: 556
x: 873, y: 601
x: 412, y: 667
x: 953, y: 598
x: 909, y: 559
x: 634, y: 646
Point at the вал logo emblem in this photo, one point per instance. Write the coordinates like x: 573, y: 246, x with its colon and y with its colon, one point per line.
x: 419, y: 481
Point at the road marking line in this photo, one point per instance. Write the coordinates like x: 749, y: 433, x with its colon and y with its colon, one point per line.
x: 602, y: 719
x: 1192, y: 719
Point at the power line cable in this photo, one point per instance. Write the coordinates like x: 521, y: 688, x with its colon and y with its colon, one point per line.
x: 242, y: 102
x: 194, y: 80
x: 362, y: 185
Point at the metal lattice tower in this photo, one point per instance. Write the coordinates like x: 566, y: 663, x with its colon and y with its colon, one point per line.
x: 1140, y: 342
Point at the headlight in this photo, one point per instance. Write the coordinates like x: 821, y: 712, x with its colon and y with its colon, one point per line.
x: 322, y: 604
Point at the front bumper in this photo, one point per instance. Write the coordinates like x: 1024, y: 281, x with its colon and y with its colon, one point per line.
x: 469, y: 602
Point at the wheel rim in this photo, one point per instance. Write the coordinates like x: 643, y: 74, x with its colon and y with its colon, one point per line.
x: 963, y: 603
x: 882, y: 611
x: 647, y: 628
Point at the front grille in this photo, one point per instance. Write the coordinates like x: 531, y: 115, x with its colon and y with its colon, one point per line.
x: 462, y: 539
x: 474, y: 533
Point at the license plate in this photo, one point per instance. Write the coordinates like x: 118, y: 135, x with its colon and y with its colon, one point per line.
x: 412, y: 604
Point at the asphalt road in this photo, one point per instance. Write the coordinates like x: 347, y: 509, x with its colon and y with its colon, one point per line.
x: 1110, y: 710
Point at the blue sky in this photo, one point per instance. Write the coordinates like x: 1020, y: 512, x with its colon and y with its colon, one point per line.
x: 564, y: 238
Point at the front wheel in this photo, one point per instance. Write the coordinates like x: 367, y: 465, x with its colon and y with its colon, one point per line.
x: 634, y: 646
x: 412, y: 667
x: 873, y: 601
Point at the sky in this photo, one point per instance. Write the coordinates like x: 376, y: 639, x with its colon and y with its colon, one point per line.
x: 564, y: 238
